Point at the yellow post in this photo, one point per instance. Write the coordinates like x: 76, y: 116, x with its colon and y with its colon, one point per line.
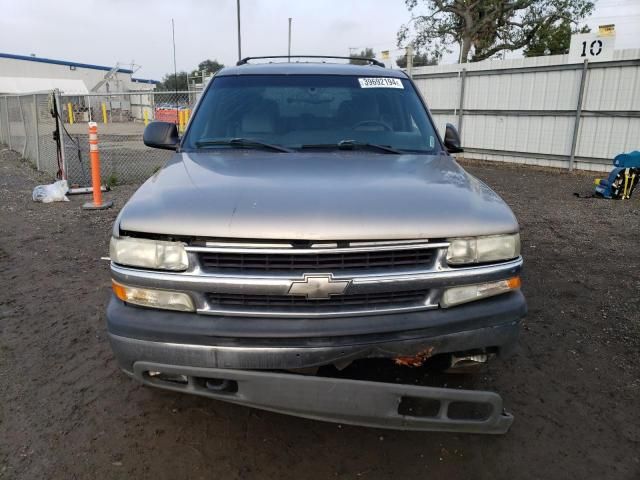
x: 145, y: 115
x: 104, y: 112
x: 187, y: 116
x: 70, y: 111
x: 180, y: 121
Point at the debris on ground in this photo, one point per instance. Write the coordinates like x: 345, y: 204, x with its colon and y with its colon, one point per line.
x: 55, y: 192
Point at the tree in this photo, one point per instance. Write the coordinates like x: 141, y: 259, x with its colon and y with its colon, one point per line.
x: 483, y: 28
x: 172, y: 83
x: 366, y: 53
x: 553, y: 39
x: 169, y: 82
x: 209, y: 66
x: 419, y: 60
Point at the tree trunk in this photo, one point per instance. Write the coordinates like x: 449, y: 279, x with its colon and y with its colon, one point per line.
x: 465, y: 47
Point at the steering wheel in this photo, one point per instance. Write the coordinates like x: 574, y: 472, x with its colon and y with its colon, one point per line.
x: 380, y: 123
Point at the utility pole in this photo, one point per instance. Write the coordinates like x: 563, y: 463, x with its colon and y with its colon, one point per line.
x: 409, y: 51
x: 175, y: 70
x: 289, y: 49
x: 239, y: 39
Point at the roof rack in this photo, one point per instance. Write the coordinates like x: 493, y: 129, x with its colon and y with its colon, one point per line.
x: 371, y: 61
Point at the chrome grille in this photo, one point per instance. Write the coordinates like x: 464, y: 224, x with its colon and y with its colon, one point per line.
x: 314, y: 262
x: 302, y: 305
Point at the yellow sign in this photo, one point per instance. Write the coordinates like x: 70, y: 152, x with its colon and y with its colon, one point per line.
x: 385, y: 54
x: 607, y: 30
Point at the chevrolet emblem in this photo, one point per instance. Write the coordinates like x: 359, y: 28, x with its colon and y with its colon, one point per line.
x: 318, y: 287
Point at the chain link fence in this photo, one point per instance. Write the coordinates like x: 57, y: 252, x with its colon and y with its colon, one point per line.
x: 28, y: 127
x: 121, y: 119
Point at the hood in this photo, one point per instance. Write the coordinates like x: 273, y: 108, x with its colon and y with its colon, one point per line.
x: 339, y: 195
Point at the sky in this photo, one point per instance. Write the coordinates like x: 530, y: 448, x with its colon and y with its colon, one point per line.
x: 139, y: 31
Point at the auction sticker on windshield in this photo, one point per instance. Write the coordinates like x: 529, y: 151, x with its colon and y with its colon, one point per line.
x: 380, y: 82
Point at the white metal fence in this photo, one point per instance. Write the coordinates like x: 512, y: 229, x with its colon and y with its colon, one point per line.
x: 540, y: 110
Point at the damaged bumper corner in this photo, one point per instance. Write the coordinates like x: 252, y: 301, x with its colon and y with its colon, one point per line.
x: 356, y: 402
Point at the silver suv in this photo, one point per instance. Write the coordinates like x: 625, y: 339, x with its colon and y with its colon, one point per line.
x: 310, y: 218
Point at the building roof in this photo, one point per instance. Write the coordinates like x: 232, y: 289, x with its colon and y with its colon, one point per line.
x: 311, y: 68
x: 61, y: 62
x: 17, y: 85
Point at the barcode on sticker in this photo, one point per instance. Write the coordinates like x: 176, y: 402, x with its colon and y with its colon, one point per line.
x: 380, y: 82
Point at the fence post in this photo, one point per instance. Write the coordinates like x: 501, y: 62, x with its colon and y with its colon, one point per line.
x: 576, y: 124
x: 6, y: 102
x: 409, y: 55
x: 4, y: 121
x: 37, y: 126
x: 61, y: 133
x: 463, y: 77
x: 24, y: 126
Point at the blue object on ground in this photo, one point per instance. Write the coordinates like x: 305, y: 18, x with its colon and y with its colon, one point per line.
x: 623, y: 178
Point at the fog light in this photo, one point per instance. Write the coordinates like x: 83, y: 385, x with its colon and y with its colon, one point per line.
x: 469, y: 293
x: 169, y: 377
x: 151, y: 297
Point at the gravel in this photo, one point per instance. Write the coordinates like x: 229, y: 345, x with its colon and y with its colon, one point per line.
x: 66, y: 411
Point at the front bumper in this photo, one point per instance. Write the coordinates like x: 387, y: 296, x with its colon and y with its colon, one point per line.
x: 245, y: 351
x: 177, y: 338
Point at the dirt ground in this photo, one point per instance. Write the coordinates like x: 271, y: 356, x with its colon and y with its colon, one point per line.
x: 574, y: 385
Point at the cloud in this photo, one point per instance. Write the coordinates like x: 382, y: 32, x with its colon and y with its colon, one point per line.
x: 106, y: 32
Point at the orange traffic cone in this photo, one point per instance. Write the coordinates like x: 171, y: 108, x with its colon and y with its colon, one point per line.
x: 97, y: 203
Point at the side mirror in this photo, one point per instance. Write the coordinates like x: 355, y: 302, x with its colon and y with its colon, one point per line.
x: 161, y: 135
x: 452, y: 140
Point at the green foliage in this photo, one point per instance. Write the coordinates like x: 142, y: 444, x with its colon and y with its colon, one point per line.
x: 553, y: 39
x: 209, y: 66
x: 112, y: 180
x: 419, y: 60
x: 485, y: 28
x: 172, y: 83
x: 366, y: 53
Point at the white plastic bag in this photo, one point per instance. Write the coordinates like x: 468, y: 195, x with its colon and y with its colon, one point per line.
x: 56, y: 192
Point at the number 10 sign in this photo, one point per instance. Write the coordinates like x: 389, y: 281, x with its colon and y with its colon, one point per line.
x: 592, y: 47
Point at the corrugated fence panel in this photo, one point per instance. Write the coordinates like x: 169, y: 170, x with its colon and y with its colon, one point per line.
x: 525, y: 110
x: 441, y: 120
x: 614, y: 88
x: 557, y: 90
x: 440, y: 93
x: 605, y: 137
x: 535, y: 134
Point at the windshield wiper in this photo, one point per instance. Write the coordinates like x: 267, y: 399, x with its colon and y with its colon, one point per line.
x: 352, y: 145
x: 242, y: 143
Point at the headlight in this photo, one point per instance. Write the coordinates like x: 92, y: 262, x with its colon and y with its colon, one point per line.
x: 483, y: 249
x: 156, y: 254
x: 469, y: 293
x: 151, y: 297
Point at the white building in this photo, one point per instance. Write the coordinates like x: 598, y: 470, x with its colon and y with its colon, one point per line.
x: 26, y: 74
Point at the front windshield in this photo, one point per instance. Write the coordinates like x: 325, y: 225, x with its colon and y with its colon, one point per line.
x: 312, y: 111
